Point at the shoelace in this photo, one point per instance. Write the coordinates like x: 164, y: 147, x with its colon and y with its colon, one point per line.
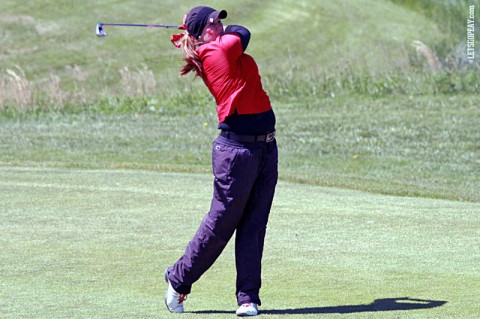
x: 182, y: 298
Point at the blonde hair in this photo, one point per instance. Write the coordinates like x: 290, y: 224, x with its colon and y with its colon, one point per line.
x: 192, y: 61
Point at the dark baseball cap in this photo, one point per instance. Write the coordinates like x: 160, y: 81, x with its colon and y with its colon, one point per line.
x: 198, y: 17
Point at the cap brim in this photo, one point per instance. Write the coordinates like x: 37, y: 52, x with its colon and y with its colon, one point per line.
x: 219, y: 14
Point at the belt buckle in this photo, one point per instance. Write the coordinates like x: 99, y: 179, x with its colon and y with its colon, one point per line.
x: 270, y: 137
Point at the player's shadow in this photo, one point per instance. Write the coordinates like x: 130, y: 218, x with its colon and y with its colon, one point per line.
x: 379, y: 305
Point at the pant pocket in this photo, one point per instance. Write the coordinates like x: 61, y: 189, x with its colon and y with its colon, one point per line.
x: 223, y: 159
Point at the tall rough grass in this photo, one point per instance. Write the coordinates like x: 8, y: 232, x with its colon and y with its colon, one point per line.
x: 16, y: 89
x: 441, y: 68
x: 138, y: 83
x: 451, y: 17
x: 143, y: 91
x: 20, y: 95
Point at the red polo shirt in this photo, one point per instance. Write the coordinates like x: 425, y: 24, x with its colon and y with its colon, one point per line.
x: 232, y: 77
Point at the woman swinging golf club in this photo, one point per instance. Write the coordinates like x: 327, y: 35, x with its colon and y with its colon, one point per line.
x: 244, y: 159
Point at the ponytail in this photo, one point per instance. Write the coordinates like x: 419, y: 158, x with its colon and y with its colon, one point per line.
x: 192, y: 61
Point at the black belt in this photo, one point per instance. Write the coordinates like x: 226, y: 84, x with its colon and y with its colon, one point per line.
x: 267, y: 138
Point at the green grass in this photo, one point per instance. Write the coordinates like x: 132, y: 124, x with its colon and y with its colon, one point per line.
x: 304, y: 49
x: 94, y: 243
x: 416, y: 146
x: 450, y: 16
x: 101, y: 143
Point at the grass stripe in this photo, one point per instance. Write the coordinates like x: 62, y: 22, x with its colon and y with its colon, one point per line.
x: 93, y: 243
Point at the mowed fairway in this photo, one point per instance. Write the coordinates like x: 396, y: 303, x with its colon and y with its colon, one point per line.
x: 94, y: 243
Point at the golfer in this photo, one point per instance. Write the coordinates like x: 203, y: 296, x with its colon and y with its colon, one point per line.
x: 244, y: 159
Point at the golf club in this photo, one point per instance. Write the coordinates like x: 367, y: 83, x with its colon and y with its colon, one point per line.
x: 101, y: 32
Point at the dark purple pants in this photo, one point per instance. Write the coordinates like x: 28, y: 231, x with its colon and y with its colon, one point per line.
x: 245, y: 178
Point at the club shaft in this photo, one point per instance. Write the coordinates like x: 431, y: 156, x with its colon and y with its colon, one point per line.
x: 140, y: 25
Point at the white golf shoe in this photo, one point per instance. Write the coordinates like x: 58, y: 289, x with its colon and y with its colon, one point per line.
x: 173, y: 299
x: 247, y: 310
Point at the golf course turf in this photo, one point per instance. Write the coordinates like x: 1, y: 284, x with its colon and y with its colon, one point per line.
x: 82, y: 243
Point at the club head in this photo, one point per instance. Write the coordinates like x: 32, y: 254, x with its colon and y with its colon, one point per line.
x: 99, y: 31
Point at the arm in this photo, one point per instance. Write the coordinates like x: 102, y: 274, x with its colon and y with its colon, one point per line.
x: 242, y: 32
